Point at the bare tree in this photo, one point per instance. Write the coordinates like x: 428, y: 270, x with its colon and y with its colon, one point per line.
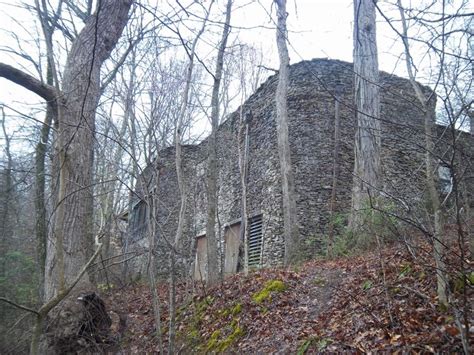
x: 443, y: 36
x: 179, y: 128
x: 72, y: 232
x: 367, y: 103
x: 48, y: 25
x: 75, y: 105
x: 7, y: 187
x: 212, y: 172
x: 290, y: 215
x: 335, y: 171
x: 433, y: 195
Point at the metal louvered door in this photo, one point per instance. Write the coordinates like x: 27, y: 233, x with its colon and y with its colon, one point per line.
x: 255, y: 240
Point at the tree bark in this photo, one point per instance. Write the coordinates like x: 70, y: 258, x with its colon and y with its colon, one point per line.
x: 212, y: 169
x: 335, y: 172
x: 430, y: 168
x: 290, y: 216
x: 179, y: 127
x: 243, y: 165
x: 6, y: 185
x: 41, y: 228
x: 76, y: 106
x: 152, y: 203
x: 72, y: 232
x: 29, y: 82
x: 367, y: 145
x: 44, y: 310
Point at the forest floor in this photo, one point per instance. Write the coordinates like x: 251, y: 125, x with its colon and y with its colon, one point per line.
x: 384, y: 300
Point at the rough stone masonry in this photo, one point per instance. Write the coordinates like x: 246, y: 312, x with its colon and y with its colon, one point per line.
x: 314, y: 87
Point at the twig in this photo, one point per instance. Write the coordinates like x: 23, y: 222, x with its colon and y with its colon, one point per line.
x: 268, y: 68
x: 418, y: 293
x: 31, y: 310
x: 23, y: 316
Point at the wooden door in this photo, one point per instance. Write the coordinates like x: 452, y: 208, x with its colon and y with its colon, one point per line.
x: 232, y: 242
x: 200, y: 266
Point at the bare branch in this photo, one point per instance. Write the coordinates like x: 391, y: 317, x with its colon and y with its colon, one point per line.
x: 29, y: 82
x: 44, y: 310
x: 19, y: 306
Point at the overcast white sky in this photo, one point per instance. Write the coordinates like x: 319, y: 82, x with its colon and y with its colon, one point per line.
x: 318, y: 28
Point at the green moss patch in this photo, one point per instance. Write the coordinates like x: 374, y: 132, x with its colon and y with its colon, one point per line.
x: 191, y: 334
x: 219, y: 340
x: 236, y: 309
x: 213, y: 340
x: 270, y: 287
x: 219, y: 344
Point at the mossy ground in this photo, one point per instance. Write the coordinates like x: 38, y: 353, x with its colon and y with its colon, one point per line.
x: 314, y: 309
x: 270, y: 287
x: 194, y: 334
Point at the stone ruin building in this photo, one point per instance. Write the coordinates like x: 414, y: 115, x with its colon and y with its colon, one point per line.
x: 319, y: 90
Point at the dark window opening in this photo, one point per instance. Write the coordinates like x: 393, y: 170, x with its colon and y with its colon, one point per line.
x: 138, y: 221
x: 445, y: 179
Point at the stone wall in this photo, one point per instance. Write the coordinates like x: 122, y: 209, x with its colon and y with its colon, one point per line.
x: 157, y: 189
x: 312, y: 93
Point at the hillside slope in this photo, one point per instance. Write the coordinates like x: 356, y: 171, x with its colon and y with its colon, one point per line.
x: 384, y: 300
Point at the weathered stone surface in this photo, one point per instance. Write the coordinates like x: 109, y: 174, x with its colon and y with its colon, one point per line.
x: 311, y: 104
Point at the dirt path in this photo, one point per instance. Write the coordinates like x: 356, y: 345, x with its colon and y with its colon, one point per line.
x: 336, y: 305
x: 320, y: 285
x: 292, y: 316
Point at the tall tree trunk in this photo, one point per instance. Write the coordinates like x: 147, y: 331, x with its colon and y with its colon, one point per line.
x: 76, y: 104
x: 290, y: 216
x: 243, y: 165
x: 436, y: 209
x: 40, y: 201
x: 131, y: 119
x: 72, y: 232
x: 179, y: 127
x: 48, y: 25
x: 367, y: 145
x: 430, y: 168
x: 212, y: 169
x: 152, y: 203
x: 110, y: 189
x: 335, y: 172
x: 7, y: 187
x: 469, y: 194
